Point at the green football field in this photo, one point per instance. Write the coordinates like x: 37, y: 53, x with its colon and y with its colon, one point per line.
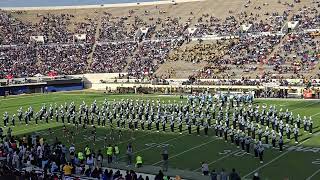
x: 301, y: 161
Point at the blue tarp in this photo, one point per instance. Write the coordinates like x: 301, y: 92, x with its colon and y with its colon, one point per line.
x: 19, y: 90
x: 16, y: 90
x: 65, y: 88
x: 2, y: 91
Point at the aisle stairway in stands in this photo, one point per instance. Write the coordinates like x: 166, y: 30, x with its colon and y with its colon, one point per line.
x: 97, y: 34
x: 262, y: 67
x: 130, y: 59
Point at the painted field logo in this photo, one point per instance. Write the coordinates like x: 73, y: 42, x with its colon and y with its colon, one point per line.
x: 230, y: 152
x: 43, y: 133
x: 304, y: 149
x: 295, y: 148
x: 157, y: 145
x: 317, y: 162
x: 90, y: 138
x: 226, y: 151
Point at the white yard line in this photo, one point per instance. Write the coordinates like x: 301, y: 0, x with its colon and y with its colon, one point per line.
x: 190, y: 149
x: 273, y: 159
x: 44, y: 125
x: 276, y: 158
x: 315, y: 114
x: 120, y: 142
x: 305, y: 106
x: 35, y: 127
x: 220, y: 159
x: 315, y: 173
x: 160, y: 143
x: 144, y: 149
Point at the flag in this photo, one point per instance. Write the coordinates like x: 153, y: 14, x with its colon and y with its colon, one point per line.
x: 52, y: 74
x: 146, y: 71
x: 9, y: 76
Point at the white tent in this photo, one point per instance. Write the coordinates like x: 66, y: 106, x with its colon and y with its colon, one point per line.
x: 190, y: 31
x: 38, y: 75
x: 289, y: 26
x: 37, y: 39
x: 245, y: 27
x: 79, y: 37
x: 142, y: 32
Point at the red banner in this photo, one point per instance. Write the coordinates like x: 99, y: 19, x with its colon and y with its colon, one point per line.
x: 52, y: 74
x: 307, y: 94
x: 9, y: 76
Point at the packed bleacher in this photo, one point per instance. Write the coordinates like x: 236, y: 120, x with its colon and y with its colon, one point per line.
x: 260, y: 41
x: 19, y: 61
x: 116, y: 29
x: 58, y: 58
x: 27, y: 61
x: 13, y: 31
x: 150, y: 55
x: 296, y: 56
x: 112, y: 57
x: 308, y: 17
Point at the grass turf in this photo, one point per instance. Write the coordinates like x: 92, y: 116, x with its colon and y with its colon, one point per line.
x: 185, y: 151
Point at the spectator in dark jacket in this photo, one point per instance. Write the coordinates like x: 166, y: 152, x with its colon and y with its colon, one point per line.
x: 234, y: 175
x: 256, y: 176
x: 159, y: 176
x: 213, y: 175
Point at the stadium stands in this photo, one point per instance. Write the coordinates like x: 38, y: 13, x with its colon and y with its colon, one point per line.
x: 261, y: 43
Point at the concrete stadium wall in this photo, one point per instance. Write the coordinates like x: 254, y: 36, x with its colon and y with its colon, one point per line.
x: 93, y: 81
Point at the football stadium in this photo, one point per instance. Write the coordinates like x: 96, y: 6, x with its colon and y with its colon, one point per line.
x: 172, y: 89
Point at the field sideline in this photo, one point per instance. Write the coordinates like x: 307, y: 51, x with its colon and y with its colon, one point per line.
x: 186, y: 151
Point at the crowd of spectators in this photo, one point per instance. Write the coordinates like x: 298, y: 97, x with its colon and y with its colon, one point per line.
x: 125, y: 28
x: 223, y: 174
x: 112, y: 57
x: 267, y: 22
x: 55, y: 28
x: 210, y: 25
x: 250, y: 82
x: 297, y: 55
x: 118, y: 47
x: 149, y: 55
x: 216, y: 71
x: 28, y: 61
x: 32, y: 157
x: 199, y: 52
x: 58, y: 58
x: 171, y: 27
x: 308, y: 18
x: 13, y: 31
x: 18, y: 61
x: 116, y: 29
x: 243, y: 81
x: 239, y: 55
